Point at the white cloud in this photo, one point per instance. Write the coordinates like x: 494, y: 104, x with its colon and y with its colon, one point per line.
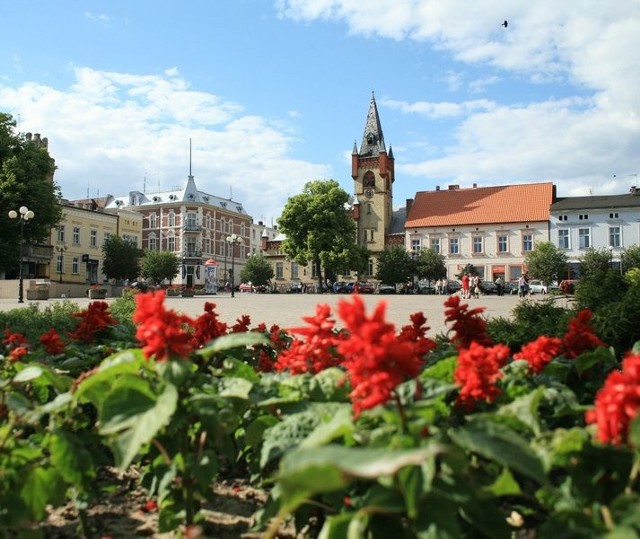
x: 116, y: 132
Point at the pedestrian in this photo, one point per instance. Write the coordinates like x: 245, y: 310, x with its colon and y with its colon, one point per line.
x: 523, y: 286
x: 465, y: 286
x: 499, y: 286
x: 475, y: 286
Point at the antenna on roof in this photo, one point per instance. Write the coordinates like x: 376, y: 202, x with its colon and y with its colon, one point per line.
x: 189, y: 157
x: 87, y: 189
x: 144, y: 183
x: 230, y: 192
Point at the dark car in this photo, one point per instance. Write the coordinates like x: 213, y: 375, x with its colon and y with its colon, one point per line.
x: 342, y: 287
x: 453, y: 286
x: 488, y: 287
x: 364, y: 287
x: 510, y: 288
x: 386, y: 288
x: 425, y: 288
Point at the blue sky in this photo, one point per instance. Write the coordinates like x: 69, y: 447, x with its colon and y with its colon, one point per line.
x: 274, y: 93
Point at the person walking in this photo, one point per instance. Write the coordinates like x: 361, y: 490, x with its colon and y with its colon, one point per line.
x: 499, y: 286
x: 465, y: 286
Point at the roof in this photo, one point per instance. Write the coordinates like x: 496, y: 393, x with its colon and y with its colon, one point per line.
x: 188, y: 194
x: 481, y: 205
x: 596, y: 202
x: 372, y: 138
x: 398, y: 220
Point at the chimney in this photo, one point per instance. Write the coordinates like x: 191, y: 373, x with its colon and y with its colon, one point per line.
x: 437, y: 188
x: 475, y: 185
x: 409, y: 205
x: 454, y: 187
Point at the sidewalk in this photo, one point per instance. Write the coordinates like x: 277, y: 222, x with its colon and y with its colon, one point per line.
x: 287, y: 310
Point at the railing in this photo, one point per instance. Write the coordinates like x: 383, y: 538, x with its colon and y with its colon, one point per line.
x: 192, y: 227
x: 192, y: 254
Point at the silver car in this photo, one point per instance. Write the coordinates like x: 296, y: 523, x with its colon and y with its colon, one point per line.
x: 537, y: 287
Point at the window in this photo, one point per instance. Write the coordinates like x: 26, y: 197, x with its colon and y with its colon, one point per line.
x: 415, y: 246
x: 172, y: 219
x: 61, y: 233
x: 171, y: 243
x: 207, y: 245
x: 527, y: 243
x: 279, y: 270
x: 153, y: 244
x: 503, y: 243
x: 59, y: 264
x: 583, y: 217
x: 369, y: 211
x: 294, y: 270
x: 584, y: 238
x: 477, y: 244
x: 614, y: 236
x: 563, y: 217
x: 563, y: 238
x: 191, y: 246
x: 75, y: 265
x: 76, y: 235
x: 153, y: 221
x: 191, y: 221
x: 369, y: 180
x: 107, y: 235
x: 614, y: 215
x: 370, y: 266
x: 93, y: 238
x: 435, y: 244
x: 454, y: 246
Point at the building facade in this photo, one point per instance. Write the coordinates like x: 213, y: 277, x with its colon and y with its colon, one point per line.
x: 601, y: 222
x: 195, y: 226
x: 491, y: 228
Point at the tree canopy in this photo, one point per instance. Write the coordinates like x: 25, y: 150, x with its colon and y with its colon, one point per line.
x: 546, y: 262
x: 319, y: 227
x: 430, y: 265
x: 121, y: 258
x: 26, y: 179
x: 257, y: 270
x: 395, y: 265
x: 159, y: 265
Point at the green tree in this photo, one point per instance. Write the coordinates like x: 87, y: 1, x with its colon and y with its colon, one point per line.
x: 630, y: 258
x: 121, y: 258
x: 430, y: 265
x: 395, y: 265
x: 319, y: 227
x: 546, y: 262
x: 595, y: 263
x: 159, y: 265
x: 257, y: 270
x: 26, y: 179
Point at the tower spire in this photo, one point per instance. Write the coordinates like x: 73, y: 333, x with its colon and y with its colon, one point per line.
x: 372, y: 138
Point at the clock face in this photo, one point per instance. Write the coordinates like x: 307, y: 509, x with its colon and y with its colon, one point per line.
x: 368, y: 193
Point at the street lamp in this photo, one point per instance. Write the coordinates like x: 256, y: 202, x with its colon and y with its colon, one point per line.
x: 233, y: 240
x: 60, y: 250
x: 25, y: 215
x: 611, y: 256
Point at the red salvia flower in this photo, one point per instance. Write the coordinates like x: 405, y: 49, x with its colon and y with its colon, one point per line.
x: 207, y: 326
x: 52, y: 342
x: 579, y: 336
x: 467, y: 326
x: 416, y: 333
x: 93, y: 319
x: 376, y: 360
x: 540, y: 352
x: 477, y: 373
x: 242, y: 324
x: 617, y: 403
x: 317, y: 352
x: 12, y: 339
x: 18, y: 353
x: 163, y: 333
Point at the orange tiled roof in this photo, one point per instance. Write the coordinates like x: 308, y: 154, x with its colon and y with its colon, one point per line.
x: 481, y: 205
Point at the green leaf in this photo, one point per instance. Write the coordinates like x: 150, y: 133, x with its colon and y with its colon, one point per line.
x: 71, y: 457
x: 255, y: 431
x: 135, y: 430
x: 504, y: 485
x: 27, y: 374
x: 42, y: 486
x: 525, y: 409
x: 443, y: 370
x: 235, y: 368
x: 234, y: 340
x: 500, y: 444
x: 340, y: 424
x: 238, y: 388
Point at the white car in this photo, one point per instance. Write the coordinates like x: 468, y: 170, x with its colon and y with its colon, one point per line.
x: 537, y: 287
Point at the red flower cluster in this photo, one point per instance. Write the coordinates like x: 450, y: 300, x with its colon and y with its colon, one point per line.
x: 618, y: 402
x: 467, y: 326
x: 52, y: 342
x: 162, y: 333
x: 207, y: 326
x: 93, y: 319
x: 376, y: 360
x: 579, y: 336
x: 540, y: 352
x: 16, y: 344
x: 317, y: 351
x: 416, y: 333
x: 477, y: 373
x: 267, y: 356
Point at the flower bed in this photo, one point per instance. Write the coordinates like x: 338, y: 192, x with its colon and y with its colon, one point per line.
x: 372, y: 427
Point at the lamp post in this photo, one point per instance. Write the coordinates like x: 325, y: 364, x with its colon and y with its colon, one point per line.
x: 60, y: 250
x: 610, y: 256
x: 233, y: 240
x: 25, y: 215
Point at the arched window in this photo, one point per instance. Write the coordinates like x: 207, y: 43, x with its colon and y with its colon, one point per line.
x: 369, y: 180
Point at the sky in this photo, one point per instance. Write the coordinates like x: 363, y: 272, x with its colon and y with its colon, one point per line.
x: 271, y: 94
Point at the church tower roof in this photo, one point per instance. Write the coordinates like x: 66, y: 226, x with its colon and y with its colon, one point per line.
x: 372, y: 138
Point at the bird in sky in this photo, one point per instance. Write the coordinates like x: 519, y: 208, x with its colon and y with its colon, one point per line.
x: 505, y: 24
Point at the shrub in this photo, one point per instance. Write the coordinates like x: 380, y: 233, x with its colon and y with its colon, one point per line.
x: 33, y: 322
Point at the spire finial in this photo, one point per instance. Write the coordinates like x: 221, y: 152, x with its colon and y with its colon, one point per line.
x: 189, y: 156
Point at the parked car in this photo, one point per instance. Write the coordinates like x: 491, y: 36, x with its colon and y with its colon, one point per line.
x: 342, y: 287
x: 386, y: 288
x: 425, y: 287
x: 568, y: 286
x: 246, y: 287
x: 510, y: 288
x: 488, y: 287
x: 364, y: 287
x: 453, y: 286
x: 537, y: 287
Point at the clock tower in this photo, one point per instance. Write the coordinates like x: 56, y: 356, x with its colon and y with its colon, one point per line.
x: 372, y: 170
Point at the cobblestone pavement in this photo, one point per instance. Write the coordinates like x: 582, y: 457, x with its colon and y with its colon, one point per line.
x: 287, y: 310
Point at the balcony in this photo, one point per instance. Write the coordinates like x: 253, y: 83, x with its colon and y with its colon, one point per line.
x: 192, y: 253
x: 192, y: 228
